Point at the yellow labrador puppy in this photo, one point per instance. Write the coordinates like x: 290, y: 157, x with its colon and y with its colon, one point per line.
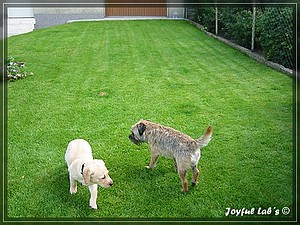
x: 86, y: 170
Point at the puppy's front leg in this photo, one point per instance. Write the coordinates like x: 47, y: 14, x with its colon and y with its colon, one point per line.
x: 73, y: 186
x: 93, y: 190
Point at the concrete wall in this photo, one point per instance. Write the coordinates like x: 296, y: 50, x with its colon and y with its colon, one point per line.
x: 46, y: 17
x: 20, y: 21
x: 23, y: 20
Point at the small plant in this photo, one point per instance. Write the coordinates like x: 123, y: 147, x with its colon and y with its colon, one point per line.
x: 16, y: 70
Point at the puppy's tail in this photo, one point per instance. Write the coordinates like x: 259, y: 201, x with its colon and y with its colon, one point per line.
x: 205, y: 138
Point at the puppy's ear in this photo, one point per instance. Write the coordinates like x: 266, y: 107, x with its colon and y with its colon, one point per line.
x: 141, y: 128
x: 87, y: 173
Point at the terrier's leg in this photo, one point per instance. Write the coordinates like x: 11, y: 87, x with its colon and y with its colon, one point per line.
x: 195, y: 175
x: 182, y: 175
x: 154, y: 157
x: 175, y: 165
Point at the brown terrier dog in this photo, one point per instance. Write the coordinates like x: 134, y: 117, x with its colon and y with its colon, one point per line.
x: 171, y: 143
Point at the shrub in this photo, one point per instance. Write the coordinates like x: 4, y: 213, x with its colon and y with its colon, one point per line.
x: 227, y: 16
x: 233, y: 23
x: 16, y: 70
x: 277, y: 35
x: 206, y: 17
x: 273, y: 29
x: 240, y: 27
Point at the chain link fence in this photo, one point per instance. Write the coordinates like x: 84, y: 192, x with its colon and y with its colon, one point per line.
x: 266, y: 30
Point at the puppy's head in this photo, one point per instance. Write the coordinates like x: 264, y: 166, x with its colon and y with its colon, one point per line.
x: 137, y: 135
x: 97, y: 173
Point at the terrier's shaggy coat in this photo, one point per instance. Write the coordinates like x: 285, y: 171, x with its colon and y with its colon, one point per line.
x: 171, y: 143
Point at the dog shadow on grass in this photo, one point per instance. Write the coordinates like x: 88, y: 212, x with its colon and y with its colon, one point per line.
x: 161, y: 179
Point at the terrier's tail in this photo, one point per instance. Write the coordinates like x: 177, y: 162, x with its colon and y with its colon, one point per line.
x: 205, y: 138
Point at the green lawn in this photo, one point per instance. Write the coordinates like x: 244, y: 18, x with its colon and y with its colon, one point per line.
x: 94, y: 80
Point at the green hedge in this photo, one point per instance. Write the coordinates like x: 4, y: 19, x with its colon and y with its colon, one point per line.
x: 273, y: 31
x: 276, y: 37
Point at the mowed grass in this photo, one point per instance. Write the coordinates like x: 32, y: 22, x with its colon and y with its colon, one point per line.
x: 94, y: 80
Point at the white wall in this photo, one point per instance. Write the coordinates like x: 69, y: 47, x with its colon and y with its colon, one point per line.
x: 20, y: 21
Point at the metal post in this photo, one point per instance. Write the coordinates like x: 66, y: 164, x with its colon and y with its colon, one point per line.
x: 253, y: 29
x: 216, y: 21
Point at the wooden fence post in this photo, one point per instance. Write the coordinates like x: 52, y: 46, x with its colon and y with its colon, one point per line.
x: 216, y: 31
x: 253, y: 28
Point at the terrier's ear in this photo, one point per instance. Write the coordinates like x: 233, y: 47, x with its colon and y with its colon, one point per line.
x: 141, y: 128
